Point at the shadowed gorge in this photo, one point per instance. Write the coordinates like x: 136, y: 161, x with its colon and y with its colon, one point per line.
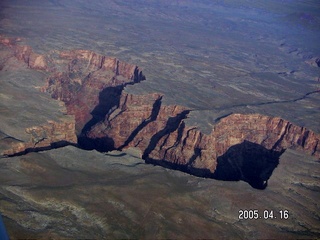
x: 240, y: 147
x: 154, y: 114
x: 172, y: 125
x: 171, y: 119
x: 109, y: 99
x: 249, y: 162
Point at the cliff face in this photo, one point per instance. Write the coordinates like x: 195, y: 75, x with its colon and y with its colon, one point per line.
x: 36, y: 134
x: 77, y: 73
x: 240, y: 146
x: 272, y: 133
x: 51, y: 135
x: 79, y: 78
x: 24, y: 53
x: 161, y: 134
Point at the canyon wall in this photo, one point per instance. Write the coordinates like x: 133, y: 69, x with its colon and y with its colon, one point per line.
x: 164, y: 138
x: 80, y: 79
x: 51, y: 135
x: 23, y: 127
x: 77, y: 78
x: 240, y: 146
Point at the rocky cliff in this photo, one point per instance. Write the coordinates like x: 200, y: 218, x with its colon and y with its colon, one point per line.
x: 240, y: 146
x: 51, y: 135
x: 88, y: 83
x: 25, y: 130
x: 24, y: 53
x: 70, y: 76
x: 164, y: 138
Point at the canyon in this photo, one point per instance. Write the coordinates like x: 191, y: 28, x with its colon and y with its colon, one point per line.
x: 159, y: 119
x: 240, y: 146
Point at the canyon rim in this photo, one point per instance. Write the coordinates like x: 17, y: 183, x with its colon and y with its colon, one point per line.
x: 94, y: 147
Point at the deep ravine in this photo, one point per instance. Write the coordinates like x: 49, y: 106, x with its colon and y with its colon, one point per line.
x: 104, y: 117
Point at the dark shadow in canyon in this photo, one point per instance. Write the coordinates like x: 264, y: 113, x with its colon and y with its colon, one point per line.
x: 54, y: 145
x: 246, y: 161
x: 109, y: 99
x: 249, y: 162
x: 203, y: 172
x: 104, y: 144
x: 154, y: 114
x: 172, y: 125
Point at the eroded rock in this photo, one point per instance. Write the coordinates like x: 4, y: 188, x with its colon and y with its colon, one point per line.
x: 107, y: 118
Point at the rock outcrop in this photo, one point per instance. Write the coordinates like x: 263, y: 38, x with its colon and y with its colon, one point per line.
x: 240, y: 146
x: 88, y: 82
x: 51, y: 135
x: 72, y: 76
x: 25, y: 54
x: 35, y: 134
x: 164, y: 138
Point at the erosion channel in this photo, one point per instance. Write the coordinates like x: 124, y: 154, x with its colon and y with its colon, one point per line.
x: 105, y: 117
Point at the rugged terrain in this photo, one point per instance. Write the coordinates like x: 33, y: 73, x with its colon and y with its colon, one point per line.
x: 240, y: 146
x: 231, y: 92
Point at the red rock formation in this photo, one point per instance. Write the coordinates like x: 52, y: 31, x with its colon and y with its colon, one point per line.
x: 25, y: 54
x: 271, y: 132
x: 240, y: 146
x: 85, y: 74
x: 161, y: 134
x: 33, y: 60
x: 79, y: 78
x: 52, y: 133
x: 91, y: 85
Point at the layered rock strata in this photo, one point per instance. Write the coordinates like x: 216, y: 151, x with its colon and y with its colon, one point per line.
x: 240, y: 146
x: 164, y: 138
x: 88, y: 83
x: 78, y: 78
x: 24, y: 53
x: 51, y: 135
x: 35, y: 134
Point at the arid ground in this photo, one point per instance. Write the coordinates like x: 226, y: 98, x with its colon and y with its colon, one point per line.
x: 216, y: 58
